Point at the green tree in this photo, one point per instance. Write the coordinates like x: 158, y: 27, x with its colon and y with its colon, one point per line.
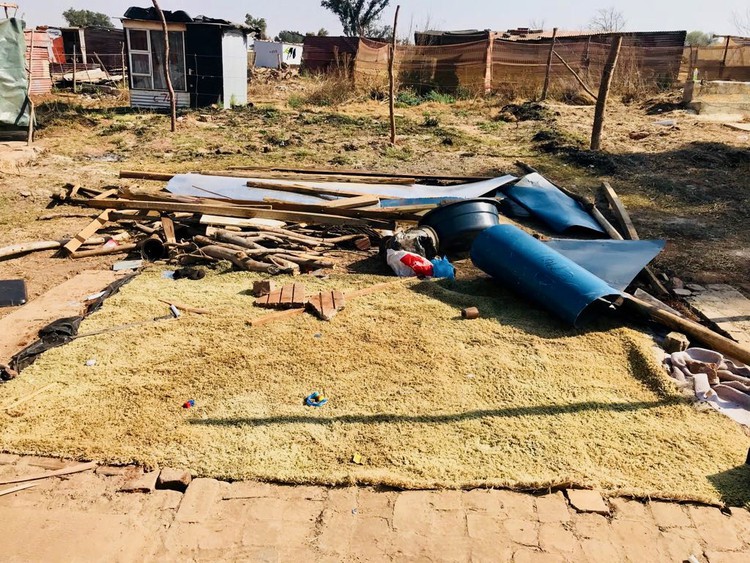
x: 699, y: 39
x: 356, y: 16
x: 86, y: 18
x: 286, y: 36
x: 258, y: 23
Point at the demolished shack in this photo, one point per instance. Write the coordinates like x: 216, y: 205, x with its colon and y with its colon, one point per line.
x: 207, y: 61
x: 15, y: 105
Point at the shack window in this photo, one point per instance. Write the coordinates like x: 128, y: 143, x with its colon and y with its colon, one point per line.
x: 146, y: 49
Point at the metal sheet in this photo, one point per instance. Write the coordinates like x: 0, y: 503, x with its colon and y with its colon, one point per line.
x: 539, y: 272
x: 236, y: 188
x: 617, y: 262
x: 548, y: 204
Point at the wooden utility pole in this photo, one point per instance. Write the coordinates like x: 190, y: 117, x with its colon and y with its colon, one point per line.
x: 75, y: 53
x: 172, y: 100
x: 601, y: 102
x: 724, y: 58
x: 549, y: 65
x: 392, y: 81
x: 32, y: 111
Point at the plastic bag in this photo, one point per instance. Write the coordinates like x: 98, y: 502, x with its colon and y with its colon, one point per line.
x: 407, y: 264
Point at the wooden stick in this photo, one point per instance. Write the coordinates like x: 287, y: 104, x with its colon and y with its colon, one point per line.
x: 705, y: 335
x: 307, y: 190
x: 88, y: 231
x: 601, y: 99
x: 623, y: 217
x: 187, y: 308
x: 547, y: 74
x: 32, y: 110
x: 168, y: 225
x: 575, y: 75
x: 57, y: 473
x: 352, y: 202
x: 361, y: 173
x: 26, y: 247
x: 138, y: 175
x: 392, y: 80
x: 16, y: 489
x: 167, y: 74
x: 230, y: 211
x: 119, y: 249
x: 28, y: 397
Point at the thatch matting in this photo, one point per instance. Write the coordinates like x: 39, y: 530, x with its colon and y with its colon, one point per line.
x: 512, y: 399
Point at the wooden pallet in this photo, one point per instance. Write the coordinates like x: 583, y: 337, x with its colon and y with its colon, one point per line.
x: 326, y: 304
x: 291, y: 296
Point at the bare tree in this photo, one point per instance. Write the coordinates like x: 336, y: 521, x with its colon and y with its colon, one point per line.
x: 742, y: 22
x: 607, y: 20
x: 537, y: 24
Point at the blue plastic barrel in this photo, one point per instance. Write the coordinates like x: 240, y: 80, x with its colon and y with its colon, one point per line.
x: 542, y: 274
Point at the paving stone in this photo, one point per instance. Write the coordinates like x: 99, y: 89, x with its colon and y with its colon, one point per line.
x: 626, y: 509
x: 640, y: 541
x: 8, y: 459
x: 552, y: 508
x: 483, y: 500
x: 174, y: 479
x: 334, y: 534
x: 522, y: 532
x: 301, y: 492
x: 555, y: 538
x: 681, y: 543
x: 526, y: 555
x: 248, y: 489
x: 587, y: 501
x: 741, y: 521
x: 130, y: 471
x: 372, y: 503
x: 669, y: 515
x: 342, y: 499
x: 199, y: 501
x: 373, y: 538
x: 593, y: 526
x: 716, y: 530
x: 727, y: 556
x: 218, y: 535
x: 145, y: 483
x: 259, y: 533
x: 447, y: 500
x: 411, y: 509
x: 517, y: 505
x: 480, y: 526
x: 597, y: 550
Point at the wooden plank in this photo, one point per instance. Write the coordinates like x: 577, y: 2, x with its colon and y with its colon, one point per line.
x: 375, y: 213
x: 168, y: 226
x: 287, y: 293
x: 237, y: 222
x: 76, y: 243
x: 106, y: 194
x: 231, y: 211
x: 725, y: 307
x: 66, y: 471
x: 622, y: 215
x: 363, y: 173
x: 353, y: 202
x: 20, y: 328
x: 651, y: 300
x: 326, y: 304
x: 308, y: 190
x: 16, y: 489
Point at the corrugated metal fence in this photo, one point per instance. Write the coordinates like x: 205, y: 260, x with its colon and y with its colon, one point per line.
x: 37, y: 59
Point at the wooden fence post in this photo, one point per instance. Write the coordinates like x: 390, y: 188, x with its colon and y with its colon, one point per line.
x: 601, y: 102
x: 549, y: 65
x: 172, y: 100
x: 32, y: 111
x: 488, y: 63
x: 75, y: 54
x: 724, y: 58
x: 392, y: 81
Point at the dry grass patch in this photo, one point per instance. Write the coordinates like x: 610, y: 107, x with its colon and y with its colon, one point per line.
x: 428, y: 400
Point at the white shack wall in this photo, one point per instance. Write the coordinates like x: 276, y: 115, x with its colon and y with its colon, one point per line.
x: 234, y: 57
x: 267, y: 54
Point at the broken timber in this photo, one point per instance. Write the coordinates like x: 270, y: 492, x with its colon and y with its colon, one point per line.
x: 290, y: 296
x: 228, y: 211
x: 90, y: 229
x: 327, y: 303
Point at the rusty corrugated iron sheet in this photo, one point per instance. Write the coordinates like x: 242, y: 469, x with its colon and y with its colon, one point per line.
x: 37, y: 59
x: 323, y: 54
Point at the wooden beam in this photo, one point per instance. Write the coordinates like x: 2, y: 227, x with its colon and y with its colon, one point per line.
x: 548, y: 73
x: 377, y: 213
x: 90, y: 229
x: 353, y: 202
x: 575, y: 75
x: 362, y: 173
x: 229, y: 211
x: 168, y: 226
x: 622, y: 215
x: 16, y: 489
x: 65, y: 471
x: 308, y: 190
x: 145, y: 175
x: 601, y: 99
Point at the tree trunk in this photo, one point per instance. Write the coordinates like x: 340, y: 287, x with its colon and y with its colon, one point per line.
x: 601, y: 101
x: 172, y: 100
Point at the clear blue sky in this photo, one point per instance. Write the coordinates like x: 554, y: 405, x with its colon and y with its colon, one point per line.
x: 307, y: 15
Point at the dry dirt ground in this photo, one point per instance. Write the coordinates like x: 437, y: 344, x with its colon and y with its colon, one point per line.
x: 684, y: 182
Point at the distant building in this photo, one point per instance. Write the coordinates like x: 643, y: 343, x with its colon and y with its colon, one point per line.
x: 272, y: 54
x: 208, y: 59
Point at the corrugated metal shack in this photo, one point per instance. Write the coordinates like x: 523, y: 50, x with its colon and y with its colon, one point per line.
x: 325, y: 54
x: 208, y: 59
x: 93, y: 45
x: 38, y: 53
